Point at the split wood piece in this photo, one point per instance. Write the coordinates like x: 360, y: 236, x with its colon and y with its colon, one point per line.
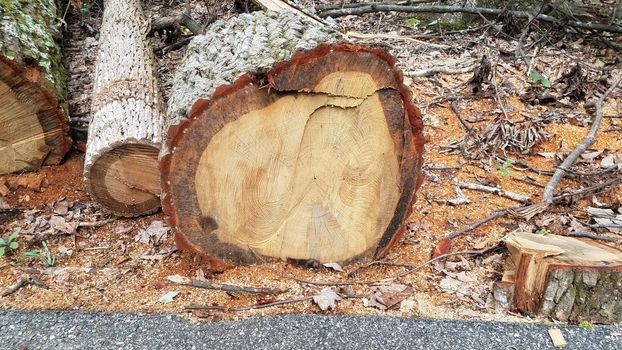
x: 565, y: 278
x: 33, y: 103
x: 321, y: 163
x: 121, y: 163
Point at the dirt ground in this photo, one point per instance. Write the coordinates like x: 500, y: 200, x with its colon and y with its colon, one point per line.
x: 114, y: 264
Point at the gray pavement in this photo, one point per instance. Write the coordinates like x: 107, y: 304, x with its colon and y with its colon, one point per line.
x: 81, y: 330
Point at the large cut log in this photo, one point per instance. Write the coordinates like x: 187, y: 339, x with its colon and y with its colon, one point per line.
x: 125, y: 132
x: 33, y: 107
x: 313, y: 155
x: 565, y: 278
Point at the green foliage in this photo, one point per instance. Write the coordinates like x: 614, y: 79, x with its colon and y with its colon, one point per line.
x: 412, y: 22
x: 543, y: 231
x: 9, y: 243
x: 536, y: 77
x: 49, y: 259
x: 503, y: 168
x: 585, y: 325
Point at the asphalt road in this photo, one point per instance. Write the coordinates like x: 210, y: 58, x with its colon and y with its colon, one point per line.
x: 79, y: 330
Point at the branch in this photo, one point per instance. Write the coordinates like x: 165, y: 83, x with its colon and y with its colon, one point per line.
x: 370, y: 8
x: 495, y: 190
x: 233, y: 288
x: 590, y: 138
x: 245, y: 308
x: 440, y: 69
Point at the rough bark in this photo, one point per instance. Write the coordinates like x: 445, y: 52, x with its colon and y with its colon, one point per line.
x: 125, y: 133
x: 33, y: 108
x: 314, y: 154
x: 564, y: 278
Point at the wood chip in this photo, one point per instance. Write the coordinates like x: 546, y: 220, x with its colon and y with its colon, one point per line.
x: 557, y: 337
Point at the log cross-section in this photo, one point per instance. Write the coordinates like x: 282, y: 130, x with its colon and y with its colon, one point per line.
x: 316, y: 157
x: 565, y: 278
x: 125, y: 133
x: 33, y: 105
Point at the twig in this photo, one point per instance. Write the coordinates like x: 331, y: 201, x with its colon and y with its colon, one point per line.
x: 397, y: 37
x: 410, y: 269
x: 530, y: 210
x: 233, y: 288
x: 590, y: 138
x: 592, y: 236
x: 495, y: 190
x: 472, y: 10
x: 498, y: 97
x: 245, y: 308
x: 473, y: 226
x: 96, y: 223
x: 454, y: 108
x: 22, y: 282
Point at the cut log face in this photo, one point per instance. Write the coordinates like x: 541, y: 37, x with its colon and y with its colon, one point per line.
x: 565, y: 278
x: 33, y: 119
x: 320, y: 164
x: 121, y: 163
x: 127, y: 178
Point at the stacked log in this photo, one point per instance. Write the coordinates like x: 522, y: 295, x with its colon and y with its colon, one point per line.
x: 125, y: 132
x: 284, y: 142
x: 33, y: 107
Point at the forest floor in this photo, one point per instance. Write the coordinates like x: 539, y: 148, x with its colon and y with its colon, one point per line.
x: 94, y: 262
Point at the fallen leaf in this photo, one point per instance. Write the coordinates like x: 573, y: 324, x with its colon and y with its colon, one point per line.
x: 168, y: 297
x: 154, y: 234
x: 62, y: 206
x: 58, y: 223
x: 178, y: 279
x: 549, y: 155
x: 591, y: 155
x: 393, y: 294
x: 443, y: 247
x: 326, y: 299
x: 120, y: 230
x: 334, y: 266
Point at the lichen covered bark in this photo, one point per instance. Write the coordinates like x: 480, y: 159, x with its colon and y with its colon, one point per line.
x: 249, y: 43
x: 583, y: 295
x: 120, y: 165
x: 30, y: 36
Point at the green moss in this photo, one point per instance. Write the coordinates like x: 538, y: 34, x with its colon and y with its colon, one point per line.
x: 30, y: 35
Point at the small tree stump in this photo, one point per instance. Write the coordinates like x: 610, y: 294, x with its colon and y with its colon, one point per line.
x: 33, y: 104
x: 565, y: 278
x: 314, y: 157
x: 125, y: 133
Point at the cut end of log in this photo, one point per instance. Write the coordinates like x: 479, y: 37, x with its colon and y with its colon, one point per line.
x: 33, y: 130
x: 320, y: 164
x: 565, y: 278
x: 126, y: 180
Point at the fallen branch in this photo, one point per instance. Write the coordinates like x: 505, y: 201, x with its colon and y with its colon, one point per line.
x: 582, y: 234
x: 233, y: 288
x: 590, y: 138
x: 526, y: 212
x: 410, y: 269
x: 440, y: 69
x: 245, y: 308
x: 471, y: 10
x: 22, y: 282
x: 400, y: 37
x: 495, y: 190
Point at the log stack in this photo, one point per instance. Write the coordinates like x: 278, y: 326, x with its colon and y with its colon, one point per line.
x: 284, y: 142
x: 125, y: 132
x: 33, y: 107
